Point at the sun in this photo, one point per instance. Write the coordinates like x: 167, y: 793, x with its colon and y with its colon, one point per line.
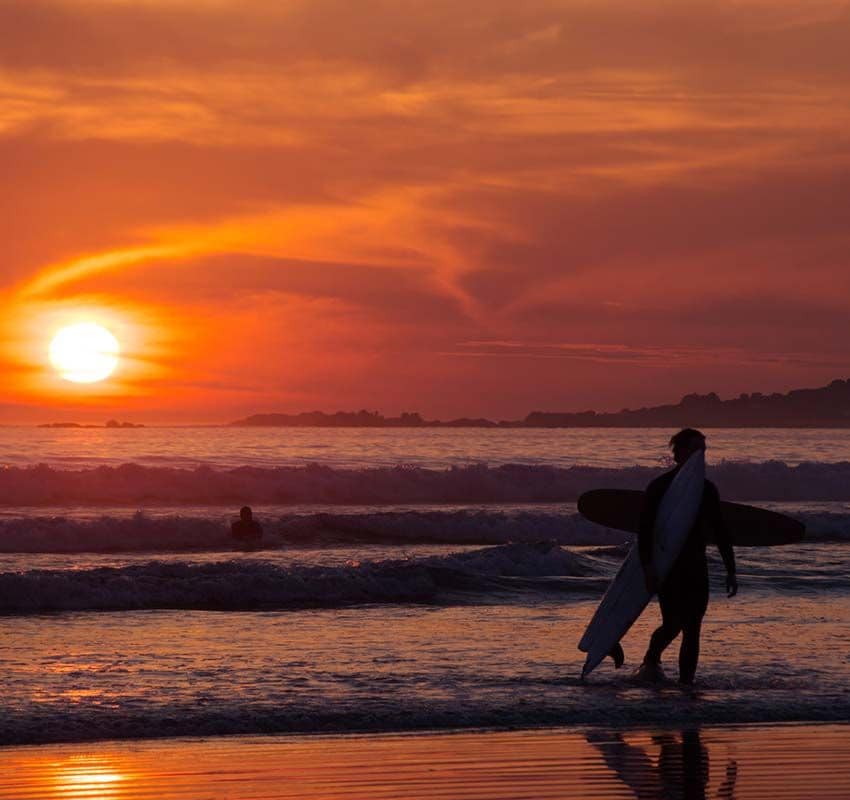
x: 84, y: 353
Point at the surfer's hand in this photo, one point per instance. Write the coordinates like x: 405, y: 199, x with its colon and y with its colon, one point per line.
x: 651, y: 578
x: 731, y: 586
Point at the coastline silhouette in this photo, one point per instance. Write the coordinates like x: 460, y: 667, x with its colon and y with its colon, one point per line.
x: 826, y: 406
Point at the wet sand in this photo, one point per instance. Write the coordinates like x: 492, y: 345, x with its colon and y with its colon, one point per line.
x: 741, y: 762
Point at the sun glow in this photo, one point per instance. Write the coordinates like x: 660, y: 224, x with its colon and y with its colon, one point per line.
x: 84, y: 353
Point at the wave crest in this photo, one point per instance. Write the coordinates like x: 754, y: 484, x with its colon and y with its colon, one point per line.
x: 175, y: 533
x: 252, y: 585
x: 133, y: 484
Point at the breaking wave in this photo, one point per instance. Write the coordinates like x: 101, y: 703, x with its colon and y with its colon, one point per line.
x: 529, y: 705
x: 253, y: 585
x: 133, y: 484
x: 142, y: 532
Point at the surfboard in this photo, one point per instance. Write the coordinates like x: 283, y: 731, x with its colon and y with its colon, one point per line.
x: 627, y: 595
x: 748, y: 526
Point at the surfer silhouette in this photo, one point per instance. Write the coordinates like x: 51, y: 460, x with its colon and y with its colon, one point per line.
x: 246, y: 530
x: 683, y: 595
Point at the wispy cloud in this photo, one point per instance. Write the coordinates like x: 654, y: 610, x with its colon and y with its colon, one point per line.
x: 365, y: 185
x: 661, y: 357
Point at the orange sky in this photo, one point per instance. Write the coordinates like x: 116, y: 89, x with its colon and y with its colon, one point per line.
x: 476, y: 208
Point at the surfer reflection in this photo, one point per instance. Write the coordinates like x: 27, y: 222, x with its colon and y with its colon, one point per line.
x: 681, y: 771
x: 683, y: 595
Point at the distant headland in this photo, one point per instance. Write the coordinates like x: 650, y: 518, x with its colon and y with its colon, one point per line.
x: 824, y: 407
x: 113, y: 423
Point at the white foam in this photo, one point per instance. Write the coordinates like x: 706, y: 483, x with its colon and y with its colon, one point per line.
x: 141, y: 532
x: 243, y: 585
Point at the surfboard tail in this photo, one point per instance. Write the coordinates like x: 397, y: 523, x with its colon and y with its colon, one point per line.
x: 592, y: 661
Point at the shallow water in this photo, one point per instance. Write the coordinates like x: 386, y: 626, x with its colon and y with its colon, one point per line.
x: 475, y: 654
x: 458, y: 608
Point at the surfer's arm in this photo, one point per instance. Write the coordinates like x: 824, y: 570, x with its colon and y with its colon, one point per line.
x: 721, y: 535
x: 647, y: 519
x: 648, y: 510
x: 651, y: 500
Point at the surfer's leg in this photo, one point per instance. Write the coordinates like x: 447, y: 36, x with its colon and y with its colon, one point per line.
x: 660, y: 640
x: 650, y: 670
x: 689, y: 651
x: 695, y: 605
x: 669, y: 629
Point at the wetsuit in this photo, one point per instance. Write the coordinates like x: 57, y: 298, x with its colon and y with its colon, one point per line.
x: 683, y: 596
x: 248, y: 532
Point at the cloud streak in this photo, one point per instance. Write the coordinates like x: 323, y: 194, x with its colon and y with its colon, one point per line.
x: 362, y: 186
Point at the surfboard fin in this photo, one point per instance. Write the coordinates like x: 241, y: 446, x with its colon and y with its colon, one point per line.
x: 618, y: 655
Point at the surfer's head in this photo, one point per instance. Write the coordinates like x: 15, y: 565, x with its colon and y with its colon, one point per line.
x: 686, y: 442
x: 245, y: 513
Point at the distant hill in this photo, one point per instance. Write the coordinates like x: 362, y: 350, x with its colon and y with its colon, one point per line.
x: 111, y: 424
x: 825, y: 407
x: 355, y: 419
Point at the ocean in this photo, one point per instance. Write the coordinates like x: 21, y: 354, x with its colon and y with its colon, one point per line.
x: 410, y: 580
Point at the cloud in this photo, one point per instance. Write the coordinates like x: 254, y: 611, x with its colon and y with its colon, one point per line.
x: 662, y: 357
x: 397, y: 178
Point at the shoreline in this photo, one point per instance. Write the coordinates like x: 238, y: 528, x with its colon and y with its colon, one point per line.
x: 283, y: 737
x: 627, y: 728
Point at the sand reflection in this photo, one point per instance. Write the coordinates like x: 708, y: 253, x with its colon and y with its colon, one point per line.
x: 95, y: 777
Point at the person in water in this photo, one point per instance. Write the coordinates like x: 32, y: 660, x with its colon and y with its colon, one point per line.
x: 246, y: 530
x: 683, y: 595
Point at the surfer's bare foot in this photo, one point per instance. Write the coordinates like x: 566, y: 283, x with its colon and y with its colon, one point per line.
x: 618, y: 655
x: 650, y: 672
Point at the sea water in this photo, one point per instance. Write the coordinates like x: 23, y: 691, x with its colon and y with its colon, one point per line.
x: 409, y: 580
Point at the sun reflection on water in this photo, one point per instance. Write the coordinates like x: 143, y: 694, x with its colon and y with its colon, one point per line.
x: 88, y: 776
